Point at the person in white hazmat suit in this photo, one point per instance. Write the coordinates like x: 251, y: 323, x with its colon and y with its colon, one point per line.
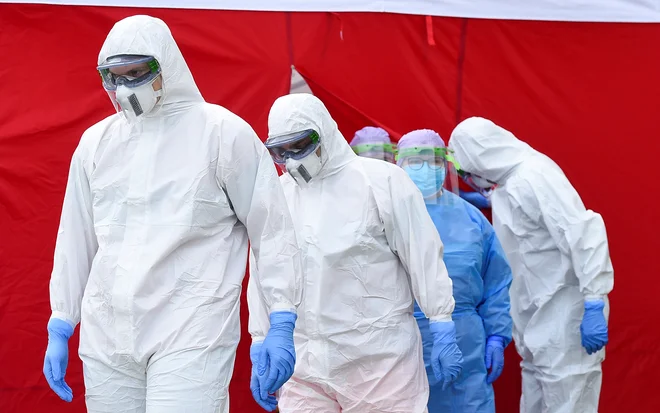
x: 560, y: 259
x: 369, y: 247
x: 153, y: 239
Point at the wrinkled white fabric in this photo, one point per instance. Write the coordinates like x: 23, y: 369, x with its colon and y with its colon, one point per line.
x: 153, y: 239
x: 559, y: 255
x: 369, y: 247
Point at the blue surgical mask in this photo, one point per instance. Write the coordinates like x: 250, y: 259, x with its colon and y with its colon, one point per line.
x: 428, y: 180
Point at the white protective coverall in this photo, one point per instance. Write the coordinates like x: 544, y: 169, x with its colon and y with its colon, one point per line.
x: 559, y: 256
x: 369, y: 246
x: 153, y: 241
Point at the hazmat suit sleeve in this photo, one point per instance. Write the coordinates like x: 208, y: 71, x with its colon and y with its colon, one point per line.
x: 76, y: 243
x: 246, y: 172
x: 414, y: 238
x: 495, y: 307
x: 258, y: 323
x: 579, y: 233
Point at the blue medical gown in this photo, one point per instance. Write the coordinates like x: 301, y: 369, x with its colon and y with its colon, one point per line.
x: 481, y: 276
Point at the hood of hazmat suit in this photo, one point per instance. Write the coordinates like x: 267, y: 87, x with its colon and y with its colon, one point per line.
x: 369, y: 247
x: 559, y: 256
x: 153, y: 241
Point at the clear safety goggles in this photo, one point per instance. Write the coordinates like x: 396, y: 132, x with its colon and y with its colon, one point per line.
x: 468, y: 178
x: 295, y: 145
x: 128, y: 70
x: 381, y: 151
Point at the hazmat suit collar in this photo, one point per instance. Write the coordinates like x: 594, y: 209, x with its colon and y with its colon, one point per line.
x: 148, y: 36
x: 298, y: 112
x: 485, y: 149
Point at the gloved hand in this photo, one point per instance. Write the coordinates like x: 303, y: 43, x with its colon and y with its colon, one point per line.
x: 277, y: 357
x: 446, y: 357
x: 494, y: 357
x: 475, y: 198
x: 57, y: 357
x: 270, y: 402
x: 594, y: 326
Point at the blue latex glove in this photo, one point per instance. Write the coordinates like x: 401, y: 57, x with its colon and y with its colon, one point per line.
x: 594, y: 326
x: 475, y: 198
x: 494, y: 357
x: 446, y: 357
x: 277, y: 357
x: 270, y: 402
x: 57, y: 358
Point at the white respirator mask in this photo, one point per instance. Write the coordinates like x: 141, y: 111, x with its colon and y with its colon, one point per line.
x: 137, y: 101
x: 304, y: 169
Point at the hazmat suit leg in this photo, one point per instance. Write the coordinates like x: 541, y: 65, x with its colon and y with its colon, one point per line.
x: 114, y: 385
x: 403, y: 389
x: 125, y: 373
x: 115, y: 376
x: 190, y: 381
x: 540, y: 392
x: 531, y: 399
x: 558, y: 374
x: 186, y: 380
x: 362, y: 385
x: 304, y: 397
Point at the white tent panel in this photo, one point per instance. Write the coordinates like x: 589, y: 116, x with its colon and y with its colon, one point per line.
x: 558, y: 10
x: 298, y: 83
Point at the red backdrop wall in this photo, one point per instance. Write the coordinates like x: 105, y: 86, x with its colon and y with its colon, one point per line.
x: 585, y: 94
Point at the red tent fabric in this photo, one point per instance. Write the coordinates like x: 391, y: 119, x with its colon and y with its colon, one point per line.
x: 583, y: 93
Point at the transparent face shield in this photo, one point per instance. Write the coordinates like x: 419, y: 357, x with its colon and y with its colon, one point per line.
x: 431, y: 169
x: 381, y: 151
x: 133, y: 72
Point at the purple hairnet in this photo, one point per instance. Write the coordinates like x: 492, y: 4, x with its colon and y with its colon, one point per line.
x: 370, y: 134
x: 421, y: 137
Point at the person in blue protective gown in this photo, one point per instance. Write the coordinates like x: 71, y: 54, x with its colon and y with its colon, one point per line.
x: 480, y: 274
